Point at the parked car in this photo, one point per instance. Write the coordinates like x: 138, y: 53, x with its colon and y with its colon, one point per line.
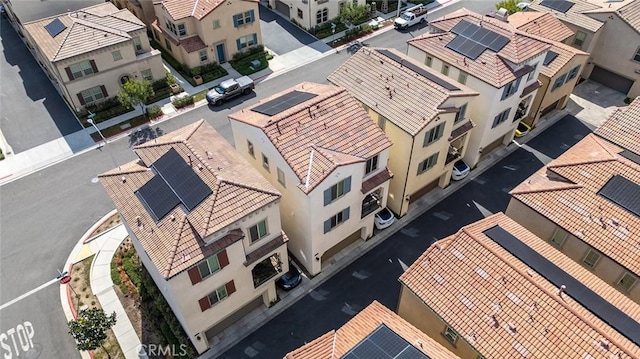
x: 460, y: 170
x: 291, y: 279
x: 229, y: 89
x: 522, y: 129
x: 384, y: 218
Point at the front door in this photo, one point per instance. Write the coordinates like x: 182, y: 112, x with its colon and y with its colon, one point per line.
x: 220, y: 50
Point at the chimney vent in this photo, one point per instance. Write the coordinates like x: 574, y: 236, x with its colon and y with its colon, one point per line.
x: 561, y: 290
x: 123, y: 179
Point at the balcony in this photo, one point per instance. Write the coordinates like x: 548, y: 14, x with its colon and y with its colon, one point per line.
x: 371, y: 202
x: 453, y: 154
x: 266, y: 270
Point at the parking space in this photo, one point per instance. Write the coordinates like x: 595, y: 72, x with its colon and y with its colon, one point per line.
x: 592, y: 102
x: 31, y: 110
x: 281, y: 36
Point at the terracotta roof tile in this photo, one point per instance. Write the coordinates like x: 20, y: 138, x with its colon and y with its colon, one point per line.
x: 192, y: 44
x: 575, y: 15
x: 461, y: 130
x: 180, y: 9
x: 623, y: 127
x: 336, y: 343
x: 630, y: 13
x: 265, y: 249
x: 332, y: 125
x: 376, y: 180
x: 480, y: 289
x: 391, y: 89
x: 565, y: 53
x: 566, y: 192
x: 179, y: 240
x: 542, y: 24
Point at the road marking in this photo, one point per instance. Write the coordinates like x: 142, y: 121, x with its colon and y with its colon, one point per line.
x: 33, y: 291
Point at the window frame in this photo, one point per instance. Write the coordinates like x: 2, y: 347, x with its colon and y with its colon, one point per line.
x: 530, y: 76
x: 81, y: 69
x: 510, y: 89
x: 144, y: 73
x: 209, y: 266
x: 300, y: 14
x: 322, y: 16
x: 217, y: 292
x: 258, y: 234
x: 433, y: 135
x: 251, y: 149
x: 382, y: 121
x: 216, y: 24
x: 246, y: 41
x: 337, y: 219
x: 554, y: 236
x: 243, y: 18
x: 428, y: 60
x: 462, y: 111
x: 501, y: 117
x: 450, y: 335
x: 636, y: 56
x: 445, y: 69
x: 428, y: 163
x: 182, y: 29
x: 206, y: 56
x: 462, y: 77
x: 576, y: 40
x: 558, y: 82
x: 371, y: 165
x: 590, y: 252
x: 625, y: 275
x: 137, y: 44
x: 265, y: 162
x: 336, y: 191
x: 281, y: 177
x: 573, y: 73
x: 93, y: 95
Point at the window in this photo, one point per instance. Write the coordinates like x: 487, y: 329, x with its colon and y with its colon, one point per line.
x: 433, y: 135
x: 337, y: 190
x: 579, y: 39
x: 182, y: 30
x: 124, y: 79
x: 147, y: 75
x: 91, y: 95
x: 573, y: 73
x: 462, y: 77
x: 510, y: 88
x: 636, y: 57
x: 427, y: 164
x: 83, y: 68
x: 168, y: 44
x: 336, y: 220
x: 137, y: 44
x: 445, y: 69
x: 300, y: 14
x: 559, y: 81
x: 450, y: 335
x: 250, y: 150
x: 372, y: 165
x: 218, y: 295
x: 503, y: 116
x: 382, y: 121
x: 265, y: 162
x: 216, y: 24
x: 591, y: 258
x: 559, y: 236
x: 627, y: 281
x: 209, y: 266
x: 281, y: 178
x: 244, y: 18
x: 428, y: 61
x: 203, y: 55
x: 116, y: 55
x: 170, y: 26
x: 258, y: 231
x: 533, y: 72
x: 246, y: 41
x: 322, y: 16
x: 461, y: 112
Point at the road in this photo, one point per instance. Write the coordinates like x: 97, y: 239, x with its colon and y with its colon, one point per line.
x: 44, y: 214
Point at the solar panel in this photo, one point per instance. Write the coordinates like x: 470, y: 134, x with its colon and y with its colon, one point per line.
x: 157, y: 197
x: 498, y: 43
x: 179, y: 175
x: 560, y: 5
x: 634, y: 157
x: 549, y: 57
x: 578, y: 291
x: 384, y: 343
x: 485, y: 38
x: 55, y: 27
x: 622, y: 192
x: 419, y: 70
x: 283, y: 102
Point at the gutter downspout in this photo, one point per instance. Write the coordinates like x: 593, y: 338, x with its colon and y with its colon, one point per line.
x: 404, y: 189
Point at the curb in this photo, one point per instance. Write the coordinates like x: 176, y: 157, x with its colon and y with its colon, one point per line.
x: 85, y: 238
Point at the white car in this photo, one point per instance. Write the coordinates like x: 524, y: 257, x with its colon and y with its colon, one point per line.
x: 460, y: 170
x: 384, y: 218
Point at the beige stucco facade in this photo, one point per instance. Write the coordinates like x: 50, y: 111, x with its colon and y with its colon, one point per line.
x: 218, y: 35
x: 572, y: 246
x: 311, y: 13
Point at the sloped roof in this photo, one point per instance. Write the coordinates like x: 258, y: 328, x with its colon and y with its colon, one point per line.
x: 392, y: 89
x: 623, y: 127
x: 87, y: 30
x: 566, y: 193
x: 336, y: 343
x: 565, y: 53
x: 542, y: 24
x: 576, y: 15
x: 630, y: 13
x: 178, y: 240
x: 504, y: 308
x: 332, y: 125
x: 180, y: 9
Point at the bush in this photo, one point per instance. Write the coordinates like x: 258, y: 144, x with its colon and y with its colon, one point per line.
x: 154, y: 111
x: 182, y: 101
x: 628, y: 100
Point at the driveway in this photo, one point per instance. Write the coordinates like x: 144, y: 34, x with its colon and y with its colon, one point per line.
x: 593, y: 102
x: 281, y: 36
x: 31, y: 110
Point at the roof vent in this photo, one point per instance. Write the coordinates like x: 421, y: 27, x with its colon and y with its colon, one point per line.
x: 604, y: 343
x: 200, y: 167
x: 172, y: 217
x: 123, y: 179
x: 511, y: 328
x: 208, y: 154
x: 561, y: 290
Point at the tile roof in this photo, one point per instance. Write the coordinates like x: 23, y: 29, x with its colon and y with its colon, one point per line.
x: 566, y: 192
x: 336, y: 343
x: 622, y: 127
x: 490, y: 67
x: 630, y: 13
x: 576, y: 15
x: 504, y: 308
x: 332, y: 126
x: 391, y: 89
x: 376, y: 180
x: 192, y: 44
x: 89, y: 29
x: 177, y: 241
x: 180, y: 9
x: 565, y: 53
x: 542, y: 24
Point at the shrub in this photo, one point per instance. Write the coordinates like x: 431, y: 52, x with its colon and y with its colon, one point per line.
x: 628, y: 100
x: 170, y: 79
x: 182, y: 101
x: 154, y: 111
x: 196, y: 71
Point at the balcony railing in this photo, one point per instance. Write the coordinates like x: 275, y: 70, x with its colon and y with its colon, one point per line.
x: 265, y: 270
x: 370, y: 203
x: 453, y: 154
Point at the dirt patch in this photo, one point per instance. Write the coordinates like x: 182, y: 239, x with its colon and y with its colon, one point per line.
x: 111, y: 222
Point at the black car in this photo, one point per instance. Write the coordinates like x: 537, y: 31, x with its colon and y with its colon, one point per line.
x: 290, y: 279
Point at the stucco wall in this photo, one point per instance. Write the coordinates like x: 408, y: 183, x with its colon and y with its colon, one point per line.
x: 310, y: 8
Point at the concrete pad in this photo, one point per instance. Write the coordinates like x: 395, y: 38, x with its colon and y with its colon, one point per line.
x: 100, y: 283
x: 107, y: 297
x: 592, y: 102
x: 104, y: 257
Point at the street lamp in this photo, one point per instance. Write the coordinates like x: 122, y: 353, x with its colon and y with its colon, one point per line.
x: 92, y: 122
x: 399, y: 4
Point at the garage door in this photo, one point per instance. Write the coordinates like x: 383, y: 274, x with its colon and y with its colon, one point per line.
x: 551, y: 107
x: 282, y: 8
x: 422, y: 191
x: 610, y: 79
x: 239, y: 314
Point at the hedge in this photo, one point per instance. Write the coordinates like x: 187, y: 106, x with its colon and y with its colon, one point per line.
x: 183, y: 101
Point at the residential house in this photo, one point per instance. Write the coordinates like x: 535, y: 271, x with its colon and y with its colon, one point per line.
x: 585, y: 202
x: 311, y: 13
x: 19, y: 11
x: 199, y: 32
x: 491, y: 57
x: 319, y: 147
x: 375, y: 332
x: 495, y: 290
x: 603, y: 28
x: 205, y: 225
x: 142, y: 9
x: 423, y: 112
x: 89, y: 53
x: 561, y: 67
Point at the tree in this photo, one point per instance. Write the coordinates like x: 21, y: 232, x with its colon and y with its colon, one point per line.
x: 89, y: 330
x: 510, y: 5
x: 134, y: 93
x: 354, y: 14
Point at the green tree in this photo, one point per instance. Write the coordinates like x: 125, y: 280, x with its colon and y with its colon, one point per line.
x: 89, y: 330
x: 354, y: 14
x: 135, y: 93
x: 510, y: 5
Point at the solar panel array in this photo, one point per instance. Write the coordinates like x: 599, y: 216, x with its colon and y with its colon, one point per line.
x: 559, y: 5
x: 384, y: 343
x: 55, y: 27
x: 549, y: 57
x: 472, y: 40
x: 175, y: 182
x: 622, y: 192
x: 419, y: 70
x: 604, y: 310
x: 284, y: 102
x: 634, y: 157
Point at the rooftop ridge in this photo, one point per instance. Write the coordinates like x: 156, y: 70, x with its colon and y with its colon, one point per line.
x: 273, y: 120
x: 174, y: 249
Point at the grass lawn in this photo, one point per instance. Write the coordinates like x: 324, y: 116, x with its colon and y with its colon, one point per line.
x: 200, y: 95
x: 116, y: 129
x: 243, y: 66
